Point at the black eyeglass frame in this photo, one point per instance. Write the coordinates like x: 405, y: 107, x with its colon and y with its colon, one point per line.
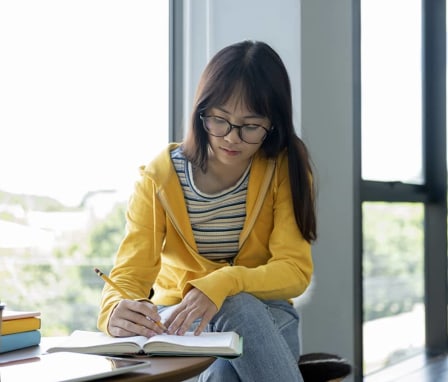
x: 232, y: 126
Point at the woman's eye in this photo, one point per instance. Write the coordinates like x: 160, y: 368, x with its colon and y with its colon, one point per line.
x: 218, y: 120
x: 251, y: 127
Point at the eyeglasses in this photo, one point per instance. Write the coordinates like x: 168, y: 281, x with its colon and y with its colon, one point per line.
x: 220, y: 127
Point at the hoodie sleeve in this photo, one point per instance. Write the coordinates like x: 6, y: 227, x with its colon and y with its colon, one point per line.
x: 137, y: 262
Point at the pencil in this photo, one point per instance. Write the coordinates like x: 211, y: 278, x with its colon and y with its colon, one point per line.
x: 112, y: 284
x: 122, y: 291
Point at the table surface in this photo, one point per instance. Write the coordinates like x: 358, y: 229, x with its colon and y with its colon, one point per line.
x: 161, y: 369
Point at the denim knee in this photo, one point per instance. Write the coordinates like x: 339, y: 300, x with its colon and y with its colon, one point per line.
x: 238, y: 310
x: 270, y: 333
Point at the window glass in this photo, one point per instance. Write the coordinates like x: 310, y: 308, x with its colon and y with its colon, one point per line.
x: 83, y: 103
x: 391, y: 82
x: 394, y: 324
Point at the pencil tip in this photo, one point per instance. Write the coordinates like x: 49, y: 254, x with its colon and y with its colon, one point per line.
x: 98, y: 271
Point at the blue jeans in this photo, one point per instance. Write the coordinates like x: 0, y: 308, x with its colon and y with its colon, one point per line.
x: 271, y: 341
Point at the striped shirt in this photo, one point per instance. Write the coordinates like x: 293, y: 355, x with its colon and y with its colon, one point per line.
x: 216, y: 219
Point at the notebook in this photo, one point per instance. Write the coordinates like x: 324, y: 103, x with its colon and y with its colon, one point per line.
x: 64, y: 366
x: 220, y: 344
x: 16, y: 314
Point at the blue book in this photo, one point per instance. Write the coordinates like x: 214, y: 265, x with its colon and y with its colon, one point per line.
x: 21, y: 340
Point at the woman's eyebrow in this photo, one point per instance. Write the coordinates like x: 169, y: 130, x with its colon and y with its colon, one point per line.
x: 245, y: 116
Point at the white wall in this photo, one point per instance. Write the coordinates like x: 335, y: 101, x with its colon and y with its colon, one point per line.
x: 328, y: 115
x: 213, y: 24
x: 314, y: 38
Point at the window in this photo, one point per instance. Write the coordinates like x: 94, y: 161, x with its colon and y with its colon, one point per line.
x: 392, y: 151
x: 394, y: 319
x: 403, y: 186
x: 391, y: 79
x: 83, y: 103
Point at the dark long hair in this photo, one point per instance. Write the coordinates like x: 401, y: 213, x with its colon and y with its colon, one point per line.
x: 257, y: 72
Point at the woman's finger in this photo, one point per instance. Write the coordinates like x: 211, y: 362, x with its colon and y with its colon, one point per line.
x: 195, y: 305
x: 134, y: 318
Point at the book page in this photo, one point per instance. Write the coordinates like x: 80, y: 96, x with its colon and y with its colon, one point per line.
x: 206, y: 343
x: 85, y: 341
x: 14, y: 314
x: 189, y: 339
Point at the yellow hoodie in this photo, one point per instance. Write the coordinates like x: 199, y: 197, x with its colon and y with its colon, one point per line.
x: 159, y: 250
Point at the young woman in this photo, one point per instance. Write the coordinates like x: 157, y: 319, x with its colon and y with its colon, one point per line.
x: 220, y: 226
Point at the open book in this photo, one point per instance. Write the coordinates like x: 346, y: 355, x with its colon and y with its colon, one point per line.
x: 219, y: 344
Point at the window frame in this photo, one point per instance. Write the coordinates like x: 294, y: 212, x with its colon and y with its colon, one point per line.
x: 176, y: 77
x: 432, y: 193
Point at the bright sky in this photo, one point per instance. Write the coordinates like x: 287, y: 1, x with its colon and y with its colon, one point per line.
x: 83, y: 94
x: 391, y: 89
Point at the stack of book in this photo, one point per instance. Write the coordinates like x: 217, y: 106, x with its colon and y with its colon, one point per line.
x: 19, y: 330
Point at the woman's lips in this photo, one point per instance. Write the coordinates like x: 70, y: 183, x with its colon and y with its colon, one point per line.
x: 229, y: 151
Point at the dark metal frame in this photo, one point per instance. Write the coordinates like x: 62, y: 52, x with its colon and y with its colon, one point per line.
x: 357, y: 206
x: 434, y: 125
x: 176, y: 93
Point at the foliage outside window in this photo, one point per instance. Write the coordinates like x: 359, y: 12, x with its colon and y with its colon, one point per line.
x: 83, y: 103
x: 393, y: 282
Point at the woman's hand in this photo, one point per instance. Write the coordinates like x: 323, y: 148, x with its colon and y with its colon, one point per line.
x: 131, y: 318
x: 194, y: 305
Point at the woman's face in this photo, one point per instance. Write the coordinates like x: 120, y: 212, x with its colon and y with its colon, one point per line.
x: 231, y: 149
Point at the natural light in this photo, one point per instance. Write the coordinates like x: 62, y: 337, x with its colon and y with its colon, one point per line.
x: 83, y: 104
x: 83, y: 94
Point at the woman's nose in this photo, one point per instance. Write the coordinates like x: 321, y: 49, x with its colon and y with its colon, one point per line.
x: 233, y: 136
